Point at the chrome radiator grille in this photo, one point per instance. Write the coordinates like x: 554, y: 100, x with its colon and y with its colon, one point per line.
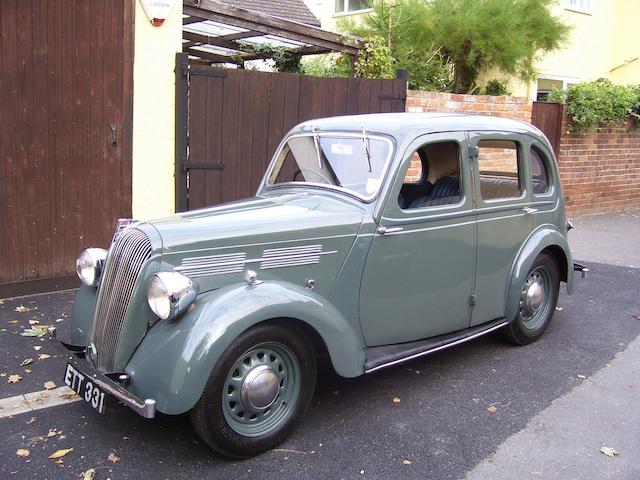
x: 119, y: 278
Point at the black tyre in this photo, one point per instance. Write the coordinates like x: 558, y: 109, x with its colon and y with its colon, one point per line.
x: 257, y: 392
x: 537, y: 303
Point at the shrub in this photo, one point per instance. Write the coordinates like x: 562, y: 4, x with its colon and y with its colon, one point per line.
x: 497, y: 88
x: 591, y: 105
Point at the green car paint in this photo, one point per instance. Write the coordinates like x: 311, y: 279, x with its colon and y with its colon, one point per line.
x: 449, y: 268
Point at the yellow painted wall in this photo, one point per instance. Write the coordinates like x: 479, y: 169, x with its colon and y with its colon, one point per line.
x: 606, y: 37
x: 153, y: 189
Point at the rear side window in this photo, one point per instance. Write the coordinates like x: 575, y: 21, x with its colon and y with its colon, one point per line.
x: 498, y: 165
x: 539, y: 166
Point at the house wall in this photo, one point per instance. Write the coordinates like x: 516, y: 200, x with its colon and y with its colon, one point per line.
x: 153, y: 190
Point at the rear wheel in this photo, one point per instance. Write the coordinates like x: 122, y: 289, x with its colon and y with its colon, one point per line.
x: 537, y: 302
x: 257, y: 392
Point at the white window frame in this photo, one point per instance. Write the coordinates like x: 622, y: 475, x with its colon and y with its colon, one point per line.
x: 346, y: 10
x: 580, y: 6
x: 566, y: 81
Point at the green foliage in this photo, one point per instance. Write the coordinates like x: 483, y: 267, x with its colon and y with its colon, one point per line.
x: 375, y: 60
x: 462, y: 38
x: 479, y: 35
x: 398, y: 25
x: 284, y: 60
x: 497, y: 88
x: 591, y: 105
x: 327, y: 65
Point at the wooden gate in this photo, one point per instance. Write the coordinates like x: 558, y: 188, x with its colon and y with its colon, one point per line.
x: 547, y: 117
x: 65, y: 136
x: 236, y: 118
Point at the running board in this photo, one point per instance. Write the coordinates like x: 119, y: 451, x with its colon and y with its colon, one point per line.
x: 389, y: 355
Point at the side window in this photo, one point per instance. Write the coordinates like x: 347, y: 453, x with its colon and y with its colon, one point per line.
x: 498, y: 165
x: 539, y: 167
x: 439, y: 182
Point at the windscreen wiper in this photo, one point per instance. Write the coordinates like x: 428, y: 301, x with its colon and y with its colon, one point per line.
x: 316, y: 142
x: 365, y: 143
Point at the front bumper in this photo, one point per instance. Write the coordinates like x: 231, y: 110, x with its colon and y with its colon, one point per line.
x: 145, y: 408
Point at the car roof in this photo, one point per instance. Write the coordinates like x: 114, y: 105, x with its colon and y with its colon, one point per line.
x: 409, y: 123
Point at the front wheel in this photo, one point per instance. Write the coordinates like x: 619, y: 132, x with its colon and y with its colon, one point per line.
x: 257, y: 392
x: 537, y: 302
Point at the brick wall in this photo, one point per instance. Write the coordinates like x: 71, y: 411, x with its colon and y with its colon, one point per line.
x: 518, y: 108
x: 600, y: 171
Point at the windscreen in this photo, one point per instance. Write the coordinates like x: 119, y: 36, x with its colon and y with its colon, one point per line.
x: 351, y: 163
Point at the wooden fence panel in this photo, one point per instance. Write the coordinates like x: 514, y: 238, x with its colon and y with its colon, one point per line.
x: 66, y: 77
x: 238, y: 117
x: 548, y: 118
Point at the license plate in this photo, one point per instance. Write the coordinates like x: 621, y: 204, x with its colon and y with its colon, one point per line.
x: 81, y: 384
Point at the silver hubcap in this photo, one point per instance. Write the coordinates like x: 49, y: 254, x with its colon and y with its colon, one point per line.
x: 534, y: 296
x: 260, y: 388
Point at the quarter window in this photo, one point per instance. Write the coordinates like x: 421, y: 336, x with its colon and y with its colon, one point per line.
x: 539, y: 168
x: 498, y: 166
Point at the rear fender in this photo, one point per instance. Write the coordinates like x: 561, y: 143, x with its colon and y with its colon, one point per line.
x: 545, y: 236
x: 174, y: 360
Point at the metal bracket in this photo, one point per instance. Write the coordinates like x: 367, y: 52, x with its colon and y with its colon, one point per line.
x: 114, y: 135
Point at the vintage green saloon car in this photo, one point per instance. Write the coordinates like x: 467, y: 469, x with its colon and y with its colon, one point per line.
x: 372, y: 240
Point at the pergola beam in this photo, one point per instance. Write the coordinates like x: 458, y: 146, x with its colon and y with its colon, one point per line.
x: 268, y: 25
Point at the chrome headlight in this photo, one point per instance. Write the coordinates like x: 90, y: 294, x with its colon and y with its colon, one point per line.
x: 170, y: 293
x: 89, y: 265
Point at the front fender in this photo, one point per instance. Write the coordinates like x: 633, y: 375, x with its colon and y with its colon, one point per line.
x: 543, y: 237
x: 173, y: 362
x: 82, y: 315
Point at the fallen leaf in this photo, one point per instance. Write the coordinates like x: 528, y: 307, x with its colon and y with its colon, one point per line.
x: 22, y: 309
x: 492, y: 409
x: 53, y: 432
x: 113, y: 457
x: 37, y: 331
x: 14, y: 378
x: 13, y: 321
x: 22, y: 452
x: 33, y: 322
x: 44, y: 394
x: 609, y: 452
x: 396, y: 400
x: 43, y: 356
x: 637, y: 317
x: 1, y: 302
x: 49, y: 385
x: 88, y: 475
x: 26, y: 362
x: 58, y: 320
x: 406, y: 462
x: 582, y: 377
x: 559, y: 309
x: 26, y: 370
x: 37, y: 348
x: 60, y: 453
x: 69, y: 395
x: 31, y: 420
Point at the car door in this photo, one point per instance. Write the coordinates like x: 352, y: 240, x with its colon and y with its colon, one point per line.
x: 418, y: 275
x: 505, y: 216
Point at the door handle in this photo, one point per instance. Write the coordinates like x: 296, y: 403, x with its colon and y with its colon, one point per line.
x: 529, y: 210
x: 384, y: 230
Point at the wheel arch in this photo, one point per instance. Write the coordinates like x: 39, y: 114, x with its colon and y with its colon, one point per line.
x: 545, y: 238
x: 174, y: 361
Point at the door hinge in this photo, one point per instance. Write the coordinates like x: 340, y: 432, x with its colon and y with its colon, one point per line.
x: 474, y: 152
x: 472, y: 300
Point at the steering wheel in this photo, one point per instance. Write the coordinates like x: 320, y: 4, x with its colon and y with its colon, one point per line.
x: 317, y: 172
